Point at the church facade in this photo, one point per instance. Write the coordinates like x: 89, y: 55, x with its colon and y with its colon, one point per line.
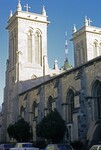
x: 32, y: 88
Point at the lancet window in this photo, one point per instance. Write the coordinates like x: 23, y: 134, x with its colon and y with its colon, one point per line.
x: 95, y: 48
x: 29, y: 55
x: 96, y: 99
x: 38, y: 48
x: 35, y: 110
x: 51, y: 103
x: 100, y: 49
x: 70, y: 106
x: 13, y: 47
x: 22, y: 111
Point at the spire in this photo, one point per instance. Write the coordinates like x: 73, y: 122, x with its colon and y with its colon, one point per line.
x: 43, y: 11
x: 66, y: 48
x: 56, y: 64
x: 19, y: 7
x: 85, y: 21
x: 66, y: 65
x: 11, y: 14
x: 74, y: 29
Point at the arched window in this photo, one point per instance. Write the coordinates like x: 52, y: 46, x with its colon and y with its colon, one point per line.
x: 13, y: 47
x: 100, y: 49
x: 95, y: 49
x: 38, y: 48
x: 51, y: 103
x: 70, y: 106
x: 82, y: 54
x: 96, y: 94
x: 35, y: 110
x: 77, y: 54
x: 22, y: 111
x: 29, y: 52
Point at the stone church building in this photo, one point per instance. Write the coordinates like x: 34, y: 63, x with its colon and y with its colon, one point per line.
x: 32, y: 88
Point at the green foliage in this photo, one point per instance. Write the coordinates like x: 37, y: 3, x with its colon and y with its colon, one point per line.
x: 52, y: 127
x: 20, y: 130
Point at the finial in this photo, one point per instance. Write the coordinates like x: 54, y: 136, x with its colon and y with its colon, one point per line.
x: 43, y: 11
x: 89, y: 22
x: 66, y: 64
x: 86, y: 21
x: 11, y: 14
x: 27, y: 7
x: 19, y: 7
x: 74, y: 29
x: 66, y: 47
x: 56, y: 64
x: 66, y: 34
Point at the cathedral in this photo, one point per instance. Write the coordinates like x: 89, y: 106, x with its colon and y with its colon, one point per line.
x: 32, y: 88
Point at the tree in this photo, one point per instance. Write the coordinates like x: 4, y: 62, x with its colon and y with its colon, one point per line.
x: 52, y: 127
x: 20, y: 130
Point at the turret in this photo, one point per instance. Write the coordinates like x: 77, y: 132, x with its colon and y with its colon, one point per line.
x: 43, y: 11
x: 19, y: 7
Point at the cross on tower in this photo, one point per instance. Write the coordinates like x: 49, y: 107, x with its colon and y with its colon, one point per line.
x: 27, y: 7
x: 89, y: 21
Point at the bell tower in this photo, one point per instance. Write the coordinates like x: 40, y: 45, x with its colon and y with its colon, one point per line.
x: 27, y: 44
x: 27, y: 58
x: 87, y: 42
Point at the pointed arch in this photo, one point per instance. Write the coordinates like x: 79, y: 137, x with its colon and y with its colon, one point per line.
x: 29, y: 41
x: 95, y: 48
x: 96, y: 97
x: 50, y: 104
x: 82, y: 53
x: 33, y: 76
x: 70, y: 105
x: 77, y: 54
x: 13, y: 38
x: 35, y: 109
x: 100, y: 48
x: 38, y: 47
x: 50, y: 100
x: 22, y: 111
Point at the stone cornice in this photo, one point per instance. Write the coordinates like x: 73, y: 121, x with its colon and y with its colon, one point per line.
x: 28, y: 16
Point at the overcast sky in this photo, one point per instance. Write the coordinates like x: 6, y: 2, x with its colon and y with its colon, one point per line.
x: 62, y: 14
